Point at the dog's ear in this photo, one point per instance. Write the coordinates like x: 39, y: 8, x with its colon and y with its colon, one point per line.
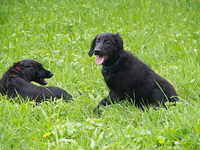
x: 19, y: 64
x: 119, y: 43
x: 90, y: 53
x: 28, y: 73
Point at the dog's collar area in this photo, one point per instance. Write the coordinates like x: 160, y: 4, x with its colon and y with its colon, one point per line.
x: 18, y: 68
x: 111, y: 66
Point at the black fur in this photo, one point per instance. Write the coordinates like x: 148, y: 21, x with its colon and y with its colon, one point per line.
x: 16, y: 81
x: 130, y: 79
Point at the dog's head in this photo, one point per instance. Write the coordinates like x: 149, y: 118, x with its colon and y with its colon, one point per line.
x: 32, y: 70
x: 107, y: 47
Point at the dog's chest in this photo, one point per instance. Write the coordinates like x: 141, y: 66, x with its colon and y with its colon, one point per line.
x: 106, y: 74
x: 110, y: 78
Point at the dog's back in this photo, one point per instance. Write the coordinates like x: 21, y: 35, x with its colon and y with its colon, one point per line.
x: 147, y: 84
x: 6, y: 78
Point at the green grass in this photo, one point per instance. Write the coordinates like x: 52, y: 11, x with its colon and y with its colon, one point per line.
x: 59, y: 33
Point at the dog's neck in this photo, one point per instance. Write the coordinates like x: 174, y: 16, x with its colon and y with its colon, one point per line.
x: 113, y: 65
x: 17, y: 68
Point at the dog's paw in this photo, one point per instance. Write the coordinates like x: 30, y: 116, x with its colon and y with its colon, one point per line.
x: 97, y: 111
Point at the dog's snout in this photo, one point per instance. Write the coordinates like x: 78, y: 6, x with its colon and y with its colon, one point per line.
x: 97, y: 51
x: 51, y: 74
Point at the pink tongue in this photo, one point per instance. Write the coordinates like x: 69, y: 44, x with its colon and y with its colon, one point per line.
x: 99, y: 60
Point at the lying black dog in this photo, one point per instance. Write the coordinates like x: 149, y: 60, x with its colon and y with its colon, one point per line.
x: 16, y: 81
x: 127, y: 77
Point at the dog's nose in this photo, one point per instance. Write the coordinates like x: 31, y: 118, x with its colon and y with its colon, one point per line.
x: 51, y: 74
x: 97, y: 51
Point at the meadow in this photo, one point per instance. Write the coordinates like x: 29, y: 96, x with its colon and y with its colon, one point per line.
x: 163, y: 34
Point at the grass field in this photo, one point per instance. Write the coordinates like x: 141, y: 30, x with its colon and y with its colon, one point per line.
x: 163, y: 34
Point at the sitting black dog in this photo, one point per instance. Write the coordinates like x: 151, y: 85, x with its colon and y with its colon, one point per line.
x: 127, y: 77
x: 17, y: 81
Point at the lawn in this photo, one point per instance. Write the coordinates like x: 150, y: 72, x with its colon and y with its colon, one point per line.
x: 163, y: 34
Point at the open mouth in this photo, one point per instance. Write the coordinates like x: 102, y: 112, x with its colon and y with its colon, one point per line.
x: 42, y: 81
x: 100, y: 59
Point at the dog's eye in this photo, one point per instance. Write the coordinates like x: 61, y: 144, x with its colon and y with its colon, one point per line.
x: 107, y: 42
x: 97, y: 41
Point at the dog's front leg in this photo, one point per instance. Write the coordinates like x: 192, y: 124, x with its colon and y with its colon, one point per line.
x: 112, y: 98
